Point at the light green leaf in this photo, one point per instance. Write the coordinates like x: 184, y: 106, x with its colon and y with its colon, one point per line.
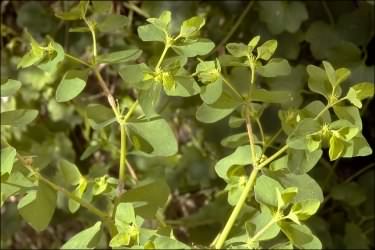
x: 341, y: 75
x: 54, y: 57
x: 99, y: 116
x: 150, y: 32
x: 210, y: 113
x: 358, y: 146
x: 192, y: 26
x: 267, y: 96
x: 102, y: 7
x: 253, y: 43
x: 331, y: 74
x: 163, y: 21
x: 194, y: 47
x: 236, y: 140
x: 74, y: 13
x: 349, y: 113
x: 302, y: 161
x: 125, y: 215
x: 153, y: 194
x: 336, y: 147
x: 150, y: 100
x: 8, y: 156
x: 19, y: 117
x: 86, y: 239
x: 237, y: 49
x: 258, y: 222
x: 70, y: 172
x: 210, y: 93
x: 120, y: 56
x: 10, y: 87
x: 112, y: 23
x: 100, y: 185
x: 78, y: 192
x: 139, y: 76
x: 298, y: 139
x: 265, y: 190
x: 300, y: 236
x: 267, y: 49
x: 119, y: 240
x: 275, y: 67
x: 34, y: 56
x: 305, y: 209
x: 155, y: 132
x: 38, y: 206
x: 184, y: 86
x: 318, y: 81
x: 359, y: 92
x: 241, y: 156
x: 69, y: 89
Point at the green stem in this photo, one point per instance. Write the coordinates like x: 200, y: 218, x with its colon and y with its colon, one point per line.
x: 250, y: 183
x: 328, y: 107
x: 122, y: 157
x: 272, y: 139
x: 328, y: 12
x: 231, y: 87
x: 92, y: 31
x: 78, y: 60
x: 103, y: 216
x: 157, y: 67
x: 237, y: 209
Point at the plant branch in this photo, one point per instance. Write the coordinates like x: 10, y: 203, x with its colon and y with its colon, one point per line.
x: 232, y: 88
x: 78, y: 60
x: 103, y: 216
x: 136, y: 9
x: 263, y: 230
x: 166, y: 47
x: 234, y: 28
x: 122, y: 158
x: 328, y: 12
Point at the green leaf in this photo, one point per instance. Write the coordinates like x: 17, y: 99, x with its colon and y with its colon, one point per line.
x: 120, y: 56
x: 34, y: 56
x: 236, y: 140
x: 102, y: 7
x: 112, y: 23
x: 253, y: 43
x: 100, y: 185
x: 358, y: 146
x: 318, y: 81
x: 359, y: 92
x: 298, y: 139
x: 8, y: 156
x: 266, y: 50
x: 312, y: 110
x: 350, y: 193
x: 258, y: 222
x: 155, y: 132
x: 265, y: 190
x: 70, y: 172
x: 19, y: 117
x: 336, y: 148
x: 267, y: 96
x: 283, y: 16
x: 150, y: 32
x: 211, y: 93
x: 355, y: 237
x: 302, y: 161
x: 208, y: 71
x: 300, y: 236
x: 163, y: 21
x: 193, y: 47
x: 154, y: 194
x: 78, y: 192
x: 10, y: 87
x: 210, y: 113
x: 69, y: 89
x: 350, y: 114
x: 341, y: 75
x: 120, y: 239
x: 305, y: 209
x: 307, y: 186
x: 241, y: 156
x: 139, y: 76
x: 38, y: 206
x: 125, y: 215
x: 192, y: 26
x: 184, y: 86
x: 86, y: 239
x: 54, y: 57
x: 275, y: 67
x: 99, y: 116
x: 75, y: 13
x: 237, y: 49
x: 150, y: 100
x: 331, y: 74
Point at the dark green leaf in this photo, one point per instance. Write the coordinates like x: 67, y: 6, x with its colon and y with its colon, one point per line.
x: 19, y: 117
